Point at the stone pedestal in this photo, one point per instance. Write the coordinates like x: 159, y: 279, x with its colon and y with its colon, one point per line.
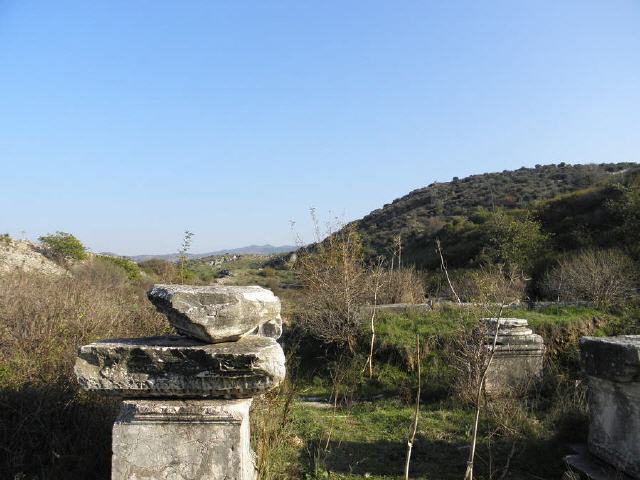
x: 183, y: 439
x: 518, y: 358
x: 612, y: 365
x: 174, y: 423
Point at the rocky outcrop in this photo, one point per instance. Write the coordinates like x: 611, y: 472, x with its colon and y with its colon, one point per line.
x: 22, y: 255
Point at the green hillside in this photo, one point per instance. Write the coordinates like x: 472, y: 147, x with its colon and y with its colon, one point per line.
x: 453, y: 211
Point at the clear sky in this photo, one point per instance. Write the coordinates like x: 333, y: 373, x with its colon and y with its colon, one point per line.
x: 127, y: 122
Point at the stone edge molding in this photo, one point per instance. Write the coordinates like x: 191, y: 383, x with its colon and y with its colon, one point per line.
x: 177, y: 367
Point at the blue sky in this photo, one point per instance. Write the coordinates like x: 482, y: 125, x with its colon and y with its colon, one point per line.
x: 127, y: 122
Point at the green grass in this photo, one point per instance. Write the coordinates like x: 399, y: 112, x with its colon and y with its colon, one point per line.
x: 401, y: 329
x: 369, y: 440
x: 558, y: 316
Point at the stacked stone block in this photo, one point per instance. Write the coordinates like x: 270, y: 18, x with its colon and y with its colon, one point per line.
x: 185, y: 413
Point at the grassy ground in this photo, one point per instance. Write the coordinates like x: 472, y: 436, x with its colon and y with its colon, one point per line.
x: 369, y: 440
x: 50, y: 430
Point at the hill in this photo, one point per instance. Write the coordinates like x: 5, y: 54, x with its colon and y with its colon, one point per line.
x: 430, y: 212
x: 248, y: 250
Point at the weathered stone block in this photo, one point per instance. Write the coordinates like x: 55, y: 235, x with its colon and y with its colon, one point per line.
x: 271, y: 329
x: 182, y: 440
x: 612, y: 365
x: 217, y: 313
x: 518, y: 357
x: 177, y: 366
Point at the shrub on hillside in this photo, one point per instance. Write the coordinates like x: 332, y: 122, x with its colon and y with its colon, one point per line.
x: 489, y: 285
x: 61, y: 247
x: 604, y: 277
x: 511, y: 241
x: 129, y: 267
x: 166, y: 272
x: 402, y: 285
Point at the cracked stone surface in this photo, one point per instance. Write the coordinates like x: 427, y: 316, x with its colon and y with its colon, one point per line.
x: 177, y: 366
x: 612, y: 365
x: 612, y: 358
x: 217, y: 313
x: 182, y: 440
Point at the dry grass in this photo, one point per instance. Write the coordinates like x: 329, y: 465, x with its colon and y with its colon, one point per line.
x: 48, y: 428
x: 402, y: 285
x: 273, y: 436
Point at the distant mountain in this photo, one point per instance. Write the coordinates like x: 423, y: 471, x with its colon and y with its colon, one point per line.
x: 427, y: 213
x: 249, y: 250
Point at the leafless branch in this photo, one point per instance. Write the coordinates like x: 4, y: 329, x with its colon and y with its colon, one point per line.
x: 416, y: 414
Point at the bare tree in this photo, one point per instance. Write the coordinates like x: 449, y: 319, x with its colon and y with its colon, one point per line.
x: 377, y: 280
x: 416, y: 414
x: 484, y: 368
x: 603, y: 277
x: 443, y: 266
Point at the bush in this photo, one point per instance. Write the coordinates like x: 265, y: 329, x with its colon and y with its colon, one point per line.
x: 336, y: 285
x: 62, y: 246
x: 165, y: 271
x: 489, y: 285
x: 402, y: 286
x: 604, y: 277
x: 130, y: 268
x: 512, y: 242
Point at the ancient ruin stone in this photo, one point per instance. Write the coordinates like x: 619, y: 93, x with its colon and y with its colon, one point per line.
x: 216, y: 313
x: 187, y: 440
x: 612, y: 366
x: 177, y: 366
x: 519, y: 355
x: 271, y: 329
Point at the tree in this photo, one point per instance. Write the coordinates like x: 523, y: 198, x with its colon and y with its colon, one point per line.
x: 627, y: 210
x: 63, y: 246
x: 513, y: 242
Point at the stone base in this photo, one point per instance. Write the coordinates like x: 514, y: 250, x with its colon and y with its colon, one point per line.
x: 183, y: 440
x: 584, y: 466
x: 514, y: 367
x: 614, y: 423
x: 518, y: 357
